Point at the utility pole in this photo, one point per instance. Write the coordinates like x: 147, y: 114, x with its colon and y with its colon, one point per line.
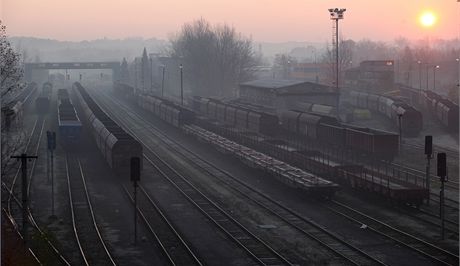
x: 429, y: 155
x: 25, y: 204
x: 151, y: 74
x: 135, y: 168
x: 442, y: 174
x: 51, y: 138
x: 163, y: 81
x: 181, y: 85
x: 420, y: 79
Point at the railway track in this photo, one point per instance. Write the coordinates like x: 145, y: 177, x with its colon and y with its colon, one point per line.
x: 92, y: 247
x: 52, y: 248
x: 176, y: 250
x: 31, y: 147
x: 14, y: 204
x: 435, y: 253
x: 427, y: 249
x: 260, y: 251
x: 433, y: 219
x: 330, y: 241
x: 450, y: 152
x: 450, y: 184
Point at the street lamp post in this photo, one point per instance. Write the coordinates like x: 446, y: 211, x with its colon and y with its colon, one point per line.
x: 458, y: 72
x: 163, y: 80
x: 336, y: 14
x: 420, y: 75
x: 434, y: 77
x: 420, y: 81
x: 181, y: 86
x: 427, y: 67
x: 151, y: 75
x: 400, y: 113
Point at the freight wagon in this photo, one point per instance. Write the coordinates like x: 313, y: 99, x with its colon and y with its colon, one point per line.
x: 329, y: 130
x: 68, y: 122
x: 115, y: 144
x: 235, y: 115
x: 445, y: 111
x: 392, y: 108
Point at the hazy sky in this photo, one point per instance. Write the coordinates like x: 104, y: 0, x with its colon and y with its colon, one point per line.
x: 264, y: 20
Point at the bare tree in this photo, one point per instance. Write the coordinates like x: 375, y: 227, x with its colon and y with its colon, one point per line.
x: 215, y: 58
x: 10, y: 67
x: 346, y: 48
x: 282, y: 65
x: 12, y: 135
x: 407, y: 65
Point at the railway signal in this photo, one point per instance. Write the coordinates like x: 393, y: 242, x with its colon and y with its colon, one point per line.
x: 442, y: 173
x: 135, y: 177
x: 25, y: 205
x: 429, y: 155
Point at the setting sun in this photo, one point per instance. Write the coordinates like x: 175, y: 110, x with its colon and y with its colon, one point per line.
x: 428, y: 19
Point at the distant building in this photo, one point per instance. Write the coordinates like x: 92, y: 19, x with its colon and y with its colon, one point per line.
x: 285, y: 94
x: 313, y: 72
x: 375, y: 76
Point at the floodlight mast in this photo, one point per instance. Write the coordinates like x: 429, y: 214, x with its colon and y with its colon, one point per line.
x: 336, y: 14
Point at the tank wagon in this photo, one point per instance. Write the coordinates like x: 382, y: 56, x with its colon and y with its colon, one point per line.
x: 411, y: 121
x: 329, y: 130
x: 115, y: 144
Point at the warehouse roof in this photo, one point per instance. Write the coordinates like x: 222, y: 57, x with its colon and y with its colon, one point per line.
x: 272, y: 83
x: 283, y: 86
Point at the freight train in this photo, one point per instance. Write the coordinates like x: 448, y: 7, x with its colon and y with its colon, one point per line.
x: 315, y: 127
x: 327, y: 129
x: 68, y: 121
x: 238, y: 116
x: 392, y: 108
x: 355, y: 176
x: 115, y: 144
x: 167, y: 111
x: 445, y: 111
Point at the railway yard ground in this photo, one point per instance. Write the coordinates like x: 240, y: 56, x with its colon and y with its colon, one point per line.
x: 225, y: 213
